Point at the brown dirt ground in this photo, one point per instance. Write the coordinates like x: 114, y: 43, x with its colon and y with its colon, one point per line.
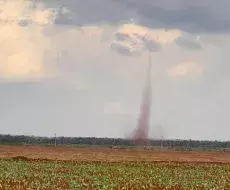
x: 111, y: 154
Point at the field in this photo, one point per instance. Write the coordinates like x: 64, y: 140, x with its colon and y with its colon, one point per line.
x: 106, y: 168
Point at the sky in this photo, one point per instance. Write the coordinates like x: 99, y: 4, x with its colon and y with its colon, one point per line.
x: 78, y: 68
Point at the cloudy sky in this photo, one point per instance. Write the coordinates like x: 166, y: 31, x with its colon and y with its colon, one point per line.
x: 78, y: 68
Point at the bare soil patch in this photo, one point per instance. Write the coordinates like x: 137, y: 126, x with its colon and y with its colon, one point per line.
x: 110, y: 154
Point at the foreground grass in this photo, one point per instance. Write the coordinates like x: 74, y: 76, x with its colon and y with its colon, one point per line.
x: 22, y: 174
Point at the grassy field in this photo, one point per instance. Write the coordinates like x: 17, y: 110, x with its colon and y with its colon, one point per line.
x: 24, y: 170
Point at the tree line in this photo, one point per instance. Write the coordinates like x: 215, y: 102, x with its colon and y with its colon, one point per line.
x: 113, y: 142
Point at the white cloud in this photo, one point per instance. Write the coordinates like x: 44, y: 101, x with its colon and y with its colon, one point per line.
x: 22, y: 48
x: 185, y: 69
x: 161, y: 36
x: 133, y: 39
x: 30, y: 50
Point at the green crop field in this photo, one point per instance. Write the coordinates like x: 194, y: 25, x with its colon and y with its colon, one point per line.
x: 28, y: 174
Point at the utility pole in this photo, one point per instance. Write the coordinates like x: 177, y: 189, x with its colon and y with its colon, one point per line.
x: 55, y: 141
x: 161, y: 141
